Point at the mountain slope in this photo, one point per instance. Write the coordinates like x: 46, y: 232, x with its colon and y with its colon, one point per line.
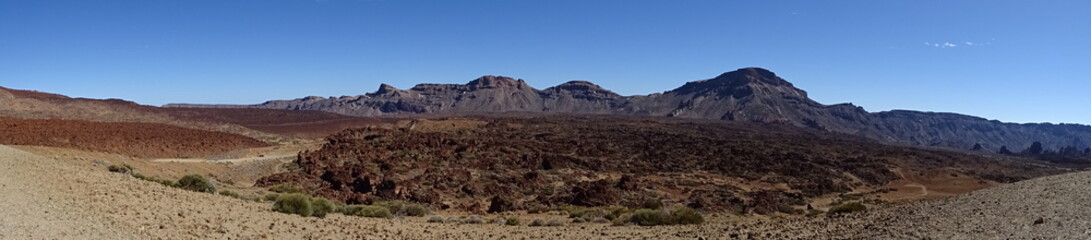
x: 748, y: 94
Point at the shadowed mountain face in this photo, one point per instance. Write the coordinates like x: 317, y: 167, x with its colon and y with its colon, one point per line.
x: 748, y: 95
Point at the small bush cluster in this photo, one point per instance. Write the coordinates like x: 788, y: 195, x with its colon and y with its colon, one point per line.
x: 303, y: 205
x: 848, y: 208
x: 231, y: 194
x: 587, y: 214
x: 272, y: 197
x: 370, y: 211
x: 196, y: 183
x: 651, y: 217
x: 511, y: 221
x: 163, y: 181
x: 436, y: 219
x: 121, y: 168
x: 555, y: 222
x: 401, y: 208
x: 474, y: 219
x: 191, y: 182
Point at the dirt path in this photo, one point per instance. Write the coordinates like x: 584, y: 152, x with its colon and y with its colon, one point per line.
x: 283, y: 157
x: 924, y: 189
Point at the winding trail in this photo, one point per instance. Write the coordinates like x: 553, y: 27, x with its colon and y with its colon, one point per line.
x: 282, y: 157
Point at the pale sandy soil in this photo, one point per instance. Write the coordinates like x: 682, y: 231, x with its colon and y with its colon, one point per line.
x: 48, y: 198
x: 62, y: 196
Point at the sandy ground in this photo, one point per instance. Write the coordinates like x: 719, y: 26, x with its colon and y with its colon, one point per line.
x: 48, y: 198
x: 51, y: 197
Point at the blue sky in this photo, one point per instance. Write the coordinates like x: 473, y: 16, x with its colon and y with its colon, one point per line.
x: 1019, y: 61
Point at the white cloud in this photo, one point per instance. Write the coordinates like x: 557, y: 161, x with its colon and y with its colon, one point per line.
x: 968, y: 43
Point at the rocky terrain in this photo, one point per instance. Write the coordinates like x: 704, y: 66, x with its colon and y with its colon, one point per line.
x: 131, y: 139
x: 508, y: 164
x: 1051, y: 207
x: 748, y: 95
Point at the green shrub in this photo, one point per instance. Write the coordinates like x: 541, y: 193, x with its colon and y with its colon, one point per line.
x: 511, y: 221
x: 196, y: 183
x: 271, y: 197
x: 230, y: 194
x: 436, y: 219
x: 622, y: 220
x: 652, y: 203
x: 589, y: 213
x: 401, y: 208
x: 294, y: 203
x: 787, y: 209
x: 322, y: 206
x: 685, y: 215
x: 284, y: 188
x: 848, y: 208
x: 122, y: 168
x: 166, y: 182
x: 536, y: 223
x: 649, y: 217
x: 370, y: 211
x: 417, y: 210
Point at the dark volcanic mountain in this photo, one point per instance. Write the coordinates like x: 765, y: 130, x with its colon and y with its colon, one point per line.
x: 748, y: 94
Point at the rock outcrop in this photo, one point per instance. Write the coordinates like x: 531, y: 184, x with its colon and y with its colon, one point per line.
x: 748, y: 94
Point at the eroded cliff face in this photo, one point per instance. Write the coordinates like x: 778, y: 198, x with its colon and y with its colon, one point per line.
x: 748, y: 94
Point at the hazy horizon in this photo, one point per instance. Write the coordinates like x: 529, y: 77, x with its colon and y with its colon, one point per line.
x: 1005, y: 60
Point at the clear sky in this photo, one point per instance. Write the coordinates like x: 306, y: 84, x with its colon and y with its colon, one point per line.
x: 1018, y: 61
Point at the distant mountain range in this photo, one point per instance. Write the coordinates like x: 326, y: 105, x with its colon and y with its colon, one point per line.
x: 748, y: 94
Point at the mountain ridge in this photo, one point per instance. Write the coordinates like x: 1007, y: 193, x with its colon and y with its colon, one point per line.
x: 748, y: 94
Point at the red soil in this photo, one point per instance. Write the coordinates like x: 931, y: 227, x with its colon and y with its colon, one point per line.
x: 303, y: 124
x: 133, y: 139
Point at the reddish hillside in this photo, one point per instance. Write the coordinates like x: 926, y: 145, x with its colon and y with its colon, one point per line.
x: 134, y: 139
x: 26, y: 104
x: 302, y: 124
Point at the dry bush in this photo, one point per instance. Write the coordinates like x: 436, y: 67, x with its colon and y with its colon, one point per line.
x: 196, y: 183
x: 294, y: 203
x: 121, y: 168
x: 370, y: 211
x: 848, y: 208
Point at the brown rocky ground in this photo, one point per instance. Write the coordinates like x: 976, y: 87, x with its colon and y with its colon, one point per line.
x: 497, y: 164
x: 133, y: 139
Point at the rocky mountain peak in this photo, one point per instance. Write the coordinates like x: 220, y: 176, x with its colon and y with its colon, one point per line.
x: 741, y: 82
x: 490, y: 81
x: 580, y: 86
x: 385, y: 88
